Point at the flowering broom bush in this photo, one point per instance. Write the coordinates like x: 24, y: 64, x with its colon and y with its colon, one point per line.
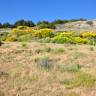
x: 20, y: 33
x: 66, y: 34
x: 60, y: 40
x: 79, y: 40
x: 43, y: 33
x: 89, y: 34
x: 23, y: 33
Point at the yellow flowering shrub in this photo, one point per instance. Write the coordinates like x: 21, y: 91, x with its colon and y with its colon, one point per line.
x: 20, y: 33
x: 60, y: 40
x: 80, y: 40
x: 43, y: 33
x: 23, y: 33
x: 88, y: 34
x: 67, y: 34
x: 9, y: 39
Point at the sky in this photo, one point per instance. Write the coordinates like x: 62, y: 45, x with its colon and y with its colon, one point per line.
x: 39, y: 10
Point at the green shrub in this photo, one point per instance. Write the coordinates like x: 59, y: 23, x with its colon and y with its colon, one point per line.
x: 92, y: 41
x: 45, y: 24
x: 79, y: 40
x: 45, y: 40
x: 84, y: 80
x: 58, y: 50
x: 24, y: 38
x: 81, y: 79
x: 66, y: 82
x: 72, y: 68
x: 3, y: 36
x: 24, y: 44
x: 60, y: 40
x: 44, y: 62
x: 48, y: 49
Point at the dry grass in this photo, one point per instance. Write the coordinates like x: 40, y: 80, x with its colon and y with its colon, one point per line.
x: 38, y: 69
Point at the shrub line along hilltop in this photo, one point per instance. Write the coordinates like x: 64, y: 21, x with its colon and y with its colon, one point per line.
x: 41, y: 24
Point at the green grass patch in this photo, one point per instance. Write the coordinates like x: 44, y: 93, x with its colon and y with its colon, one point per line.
x: 24, y: 44
x: 58, y: 50
x: 81, y: 79
x: 72, y: 68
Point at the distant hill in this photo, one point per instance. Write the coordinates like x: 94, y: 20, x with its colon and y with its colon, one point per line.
x: 78, y: 26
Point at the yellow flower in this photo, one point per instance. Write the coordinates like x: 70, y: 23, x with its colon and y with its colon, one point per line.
x: 43, y: 33
x: 89, y: 34
x: 9, y: 39
x: 80, y: 40
x: 65, y: 34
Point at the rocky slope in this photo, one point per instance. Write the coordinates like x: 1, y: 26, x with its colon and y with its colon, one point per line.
x: 78, y: 26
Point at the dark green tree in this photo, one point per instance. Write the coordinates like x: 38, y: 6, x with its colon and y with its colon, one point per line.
x: 0, y: 25
x: 29, y: 23
x: 24, y: 23
x: 45, y: 24
x: 6, y: 25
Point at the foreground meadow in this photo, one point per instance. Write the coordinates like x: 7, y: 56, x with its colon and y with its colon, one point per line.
x: 45, y: 69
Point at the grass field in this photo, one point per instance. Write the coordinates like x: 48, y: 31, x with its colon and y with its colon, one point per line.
x: 42, y: 69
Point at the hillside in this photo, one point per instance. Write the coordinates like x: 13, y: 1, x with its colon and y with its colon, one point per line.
x: 39, y: 69
x: 78, y: 26
x: 48, y: 62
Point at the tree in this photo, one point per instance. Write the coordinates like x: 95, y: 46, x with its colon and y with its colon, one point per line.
x: 0, y: 25
x: 6, y: 25
x: 45, y: 24
x: 29, y: 23
x: 60, y: 21
x: 42, y: 22
x: 24, y: 23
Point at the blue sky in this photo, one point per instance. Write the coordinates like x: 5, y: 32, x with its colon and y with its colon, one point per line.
x: 36, y: 10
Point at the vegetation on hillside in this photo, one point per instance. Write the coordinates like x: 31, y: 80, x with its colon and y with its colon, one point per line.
x: 26, y: 34
x: 36, y: 60
x: 40, y: 24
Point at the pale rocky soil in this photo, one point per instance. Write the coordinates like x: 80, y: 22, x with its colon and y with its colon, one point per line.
x: 78, y: 26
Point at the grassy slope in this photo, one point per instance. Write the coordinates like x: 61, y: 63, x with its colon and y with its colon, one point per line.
x: 38, y: 69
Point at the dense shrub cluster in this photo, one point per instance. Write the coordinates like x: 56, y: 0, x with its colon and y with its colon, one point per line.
x: 45, y: 24
x: 89, y: 34
x: 73, y: 38
x: 21, y: 33
x: 3, y: 36
x: 22, y: 22
x: 24, y: 33
x: 69, y: 37
x: 43, y: 33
